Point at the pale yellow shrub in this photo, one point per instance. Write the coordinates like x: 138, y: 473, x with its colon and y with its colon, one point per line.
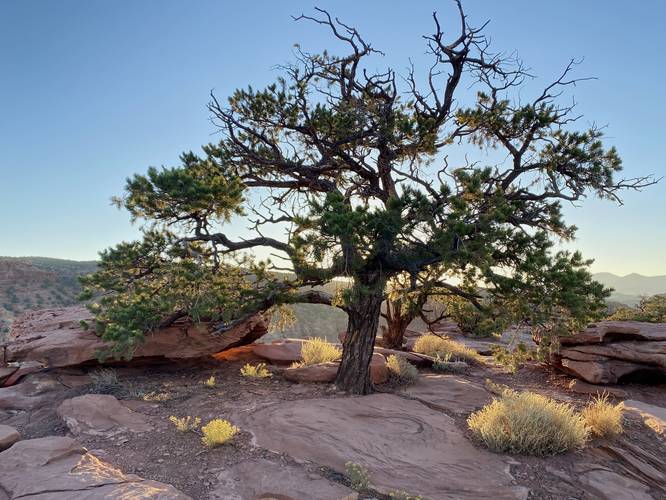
x: 433, y: 345
x: 604, y: 419
x: 400, y: 370
x: 185, y: 424
x: 319, y: 350
x: 217, y: 432
x: 525, y: 422
x: 256, y: 371
x: 210, y: 382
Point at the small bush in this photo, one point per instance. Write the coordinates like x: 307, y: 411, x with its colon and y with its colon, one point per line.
x: 154, y: 396
x: 433, y: 345
x: 105, y: 380
x: 604, y: 419
x: 210, y: 382
x: 185, y: 424
x: 445, y: 365
x: 358, y: 476
x: 525, y: 422
x: 513, y: 359
x: 255, y: 371
x: 217, y: 432
x: 319, y: 350
x: 400, y: 370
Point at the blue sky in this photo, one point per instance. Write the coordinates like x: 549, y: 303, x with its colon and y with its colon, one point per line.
x: 92, y: 91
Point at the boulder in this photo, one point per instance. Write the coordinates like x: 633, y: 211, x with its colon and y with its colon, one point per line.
x: 611, y: 351
x: 284, y: 351
x: 58, y: 468
x: 57, y: 338
x: 101, y: 414
x: 404, y: 444
x: 449, y: 393
x: 326, y: 372
x: 8, y: 436
x: 260, y: 478
x: 35, y: 390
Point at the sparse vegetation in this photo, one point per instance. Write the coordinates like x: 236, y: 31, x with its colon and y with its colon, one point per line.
x: 650, y: 309
x: 256, y: 371
x: 434, y: 345
x: 444, y: 364
x: 525, y: 422
x: 358, y: 476
x: 401, y: 371
x: 185, y: 424
x: 156, y: 397
x: 603, y: 418
x: 217, y: 432
x: 513, y: 359
x: 210, y: 382
x: 105, y: 380
x: 319, y: 350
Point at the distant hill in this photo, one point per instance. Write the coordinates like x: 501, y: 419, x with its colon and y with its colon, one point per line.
x: 630, y: 288
x: 28, y: 283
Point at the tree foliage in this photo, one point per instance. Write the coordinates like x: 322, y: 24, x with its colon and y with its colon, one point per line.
x: 344, y: 171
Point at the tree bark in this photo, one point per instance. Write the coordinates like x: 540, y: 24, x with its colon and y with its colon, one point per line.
x: 363, y: 311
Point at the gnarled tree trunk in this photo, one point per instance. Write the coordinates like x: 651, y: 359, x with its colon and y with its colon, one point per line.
x: 363, y: 311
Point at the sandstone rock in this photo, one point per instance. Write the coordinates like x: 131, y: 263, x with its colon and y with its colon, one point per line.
x: 653, y: 416
x: 34, y: 391
x: 580, y: 387
x: 58, y: 468
x: 605, y: 484
x: 285, y: 351
x: 6, y: 372
x: 609, y: 351
x: 326, y: 372
x: 450, y: 393
x: 23, y: 369
x: 8, y: 436
x: 101, y: 414
x: 404, y: 444
x: 56, y: 338
x: 413, y: 357
x: 260, y: 478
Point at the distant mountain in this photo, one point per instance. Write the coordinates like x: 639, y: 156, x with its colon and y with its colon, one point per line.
x: 28, y: 283
x: 630, y: 288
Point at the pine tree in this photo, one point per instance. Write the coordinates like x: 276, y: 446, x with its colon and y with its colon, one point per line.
x: 347, y: 172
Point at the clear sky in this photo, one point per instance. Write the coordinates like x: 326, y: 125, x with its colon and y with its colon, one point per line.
x: 92, y: 91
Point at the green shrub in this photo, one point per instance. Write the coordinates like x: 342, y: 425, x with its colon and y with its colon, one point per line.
x: 255, y: 371
x: 513, y: 359
x: 433, y: 345
x: 525, y: 422
x: 217, y: 432
x: 358, y: 476
x: 604, y: 419
x: 400, y: 370
x: 319, y: 350
x: 445, y: 365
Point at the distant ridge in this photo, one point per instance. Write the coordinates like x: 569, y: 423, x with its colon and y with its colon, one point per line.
x: 630, y: 288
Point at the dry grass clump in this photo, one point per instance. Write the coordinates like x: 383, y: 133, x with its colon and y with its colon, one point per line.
x: 185, y: 424
x: 445, y: 365
x: 604, y: 419
x: 209, y: 382
x: 105, y: 380
x: 401, y: 371
x: 525, y: 422
x: 433, y: 345
x: 217, y: 432
x: 256, y: 371
x: 319, y: 350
